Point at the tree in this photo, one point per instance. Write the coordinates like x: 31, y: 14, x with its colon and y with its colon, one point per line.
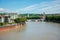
x: 19, y: 20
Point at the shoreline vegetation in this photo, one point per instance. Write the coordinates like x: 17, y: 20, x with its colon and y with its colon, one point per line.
x: 53, y: 18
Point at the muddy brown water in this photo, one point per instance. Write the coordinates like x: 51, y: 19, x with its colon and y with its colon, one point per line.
x: 35, y: 31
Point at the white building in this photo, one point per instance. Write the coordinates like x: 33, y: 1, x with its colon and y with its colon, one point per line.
x: 13, y: 16
x: 9, y: 17
x: 4, y: 18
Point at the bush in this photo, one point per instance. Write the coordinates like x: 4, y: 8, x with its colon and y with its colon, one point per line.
x: 53, y: 18
x: 57, y: 18
x: 1, y: 24
x: 18, y: 20
x: 33, y: 17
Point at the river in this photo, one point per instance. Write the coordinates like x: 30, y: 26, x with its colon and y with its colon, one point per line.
x: 35, y: 31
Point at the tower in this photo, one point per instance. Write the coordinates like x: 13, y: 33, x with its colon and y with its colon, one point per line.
x: 28, y: 15
x: 43, y: 15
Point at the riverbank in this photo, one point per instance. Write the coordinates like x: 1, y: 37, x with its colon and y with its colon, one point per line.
x: 53, y: 21
x: 10, y: 28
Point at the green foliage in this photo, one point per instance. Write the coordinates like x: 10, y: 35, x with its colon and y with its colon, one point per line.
x: 18, y: 20
x: 32, y: 14
x: 33, y: 17
x: 1, y: 24
x: 50, y: 18
x: 57, y: 18
x: 53, y: 18
x: 2, y: 13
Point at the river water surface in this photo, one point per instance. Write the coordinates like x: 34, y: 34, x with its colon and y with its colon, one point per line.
x: 35, y: 31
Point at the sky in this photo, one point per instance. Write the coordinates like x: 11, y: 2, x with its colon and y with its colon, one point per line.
x: 30, y: 6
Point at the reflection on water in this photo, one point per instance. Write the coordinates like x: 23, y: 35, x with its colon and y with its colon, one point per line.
x: 21, y: 29
x: 35, y: 31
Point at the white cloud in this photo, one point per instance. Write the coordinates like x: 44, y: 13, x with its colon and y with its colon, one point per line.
x: 54, y: 7
x: 1, y: 9
x: 6, y: 10
x: 48, y: 7
x: 28, y: 8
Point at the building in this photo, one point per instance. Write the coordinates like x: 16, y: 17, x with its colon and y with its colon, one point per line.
x: 4, y: 18
x: 9, y: 17
x: 13, y: 16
